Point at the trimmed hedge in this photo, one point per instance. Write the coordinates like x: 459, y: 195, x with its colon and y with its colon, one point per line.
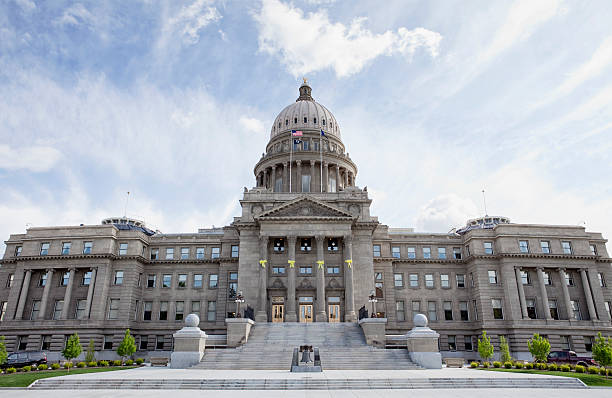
x: 508, y: 365
x: 519, y: 365
x: 129, y: 362
x: 103, y: 363
x: 552, y: 366
x: 81, y: 365
x: 117, y: 362
x: 10, y: 370
x: 486, y: 364
x: 55, y: 366
x: 42, y: 367
x: 528, y: 365
x: 580, y: 369
x: 139, y: 361
x: 67, y: 365
x: 92, y: 364
x: 565, y: 368
x: 593, y: 370
x: 474, y: 364
x: 497, y: 364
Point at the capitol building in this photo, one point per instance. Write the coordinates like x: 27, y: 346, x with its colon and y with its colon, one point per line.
x: 304, y: 249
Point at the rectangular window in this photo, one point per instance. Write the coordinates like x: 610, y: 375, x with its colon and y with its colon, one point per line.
x: 46, y: 343
x: 123, y: 249
x: 460, y: 280
x: 197, y: 281
x: 463, y: 311
x: 498, y: 312
x: 567, y: 247
x: 44, y: 249
x: 416, y: 308
x: 113, y: 309
x: 169, y: 253
x: 167, y: 280
x: 278, y: 185
x: 398, y: 280
x: 576, y: 310
x: 333, y: 270
x: 448, y: 310
x: 81, y: 305
x: 332, y: 184
x: 588, y: 343
x: 467, y: 341
x: 305, y: 245
x: 608, y: 305
x: 22, y: 344
x: 442, y: 253
x: 467, y: 250
x: 306, y: 270
x: 378, y: 284
x: 531, y: 308
x: 118, y: 277
x: 184, y: 253
x: 66, y: 248
x: 86, y: 281
x: 108, y: 342
x: 151, y: 280
x: 9, y: 280
x: 65, y: 279
x: 475, y: 307
x: 216, y: 252
x: 395, y: 252
x: 235, y: 251
x: 136, y: 307
x: 493, y: 277
x: 3, y: 305
x: 276, y: 270
x: 472, y: 284
x: 429, y: 281
x: 146, y: 310
x: 427, y: 252
x: 431, y: 311
x: 525, y: 279
x: 87, y: 246
x: 552, y: 307
x: 180, y: 310
x: 569, y: 278
x: 232, y: 289
x: 399, y: 311
x: 200, y: 253
x: 593, y: 250
x: 159, y: 342
x: 182, y: 280
x: 376, y: 250
x: 195, y: 308
x: 414, y: 280
x: 411, y: 252
x: 18, y: 250
x: 42, y: 281
x: 213, y: 281
x: 602, y: 279
x: 279, y: 245
x: 154, y: 254
x: 547, y: 279
x: 163, y: 310
x: 565, y: 343
x: 457, y: 253
x: 523, y: 246
x: 444, y: 281
x: 488, y: 247
x: 306, y: 183
x: 545, y: 246
x: 452, y: 343
x: 35, y: 310
x: 212, y: 311
x: 144, y: 343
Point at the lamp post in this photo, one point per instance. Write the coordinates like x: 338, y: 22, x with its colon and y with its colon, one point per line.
x: 372, y: 299
x: 239, y: 299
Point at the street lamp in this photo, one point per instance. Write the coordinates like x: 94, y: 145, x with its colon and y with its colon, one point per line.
x: 239, y: 299
x: 372, y: 299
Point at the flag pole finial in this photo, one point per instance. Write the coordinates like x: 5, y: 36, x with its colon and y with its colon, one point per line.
x: 305, y: 80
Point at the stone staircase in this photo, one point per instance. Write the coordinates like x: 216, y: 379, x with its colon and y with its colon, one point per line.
x: 341, y: 345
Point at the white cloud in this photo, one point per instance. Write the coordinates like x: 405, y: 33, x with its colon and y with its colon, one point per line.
x: 191, y: 19
x: 445, y: 212
x: 34, y: 158
x: 309, y: 43
x: 26, y: 6
x: 76, y: 15
x: 252, y: 124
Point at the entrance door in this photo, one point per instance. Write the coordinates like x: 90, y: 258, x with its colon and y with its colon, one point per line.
x: 334, y: 313
x: 306, y: 313
x: 278, y: 310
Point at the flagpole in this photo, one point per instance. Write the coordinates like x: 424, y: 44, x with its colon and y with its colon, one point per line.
x: 321, y: 152
x: 290, y: 159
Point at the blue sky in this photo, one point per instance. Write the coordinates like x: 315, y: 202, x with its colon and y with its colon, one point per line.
x: 437, y: 100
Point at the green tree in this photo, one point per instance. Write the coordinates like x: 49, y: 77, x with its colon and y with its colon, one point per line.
x: 3, y: 354
x: 485, y: 348
x: 127, y: 347
x: 602, y: 351
x: 539, y: 347
x: 504, y: 350
x: 90, y: 356
x: 73, y: 348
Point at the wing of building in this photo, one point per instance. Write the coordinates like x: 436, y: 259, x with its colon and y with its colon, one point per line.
x: 305, y: 249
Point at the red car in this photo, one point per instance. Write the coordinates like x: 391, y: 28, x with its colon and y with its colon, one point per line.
x: 570, y: 357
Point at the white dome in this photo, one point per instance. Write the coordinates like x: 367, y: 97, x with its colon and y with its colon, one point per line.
x: 305, y: 114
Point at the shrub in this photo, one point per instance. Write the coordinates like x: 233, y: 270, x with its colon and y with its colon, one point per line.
x: 602, y: 371
x: 508, y: 365
x: 552, y: 366
x: 519, y: 365
x: 580, y: 369
x: 81, y: 365
x: 55, y: 366
x: 129, y: 362
x: 473, y: 364
x: 127, y: 347
x: 42, y: 367
x: 593, y: 370
x: 565, y: 368
x: 486, y: 364
x: 67, y: 365
x: 92, y: 364
x: 139, y: 361
x: 528, y: 365
x: 3, y: 353
x: 117, y: 362
x: 539, y: 347
x: 102, y: 363
x: 11, y: 370
x: 602, y: 351
x: 91, y: 350
x: 504, y: 350
x: 27, y: 368
x: 497, y: 364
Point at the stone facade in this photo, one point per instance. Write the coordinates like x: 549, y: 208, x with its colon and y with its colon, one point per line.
x: 305, y: 248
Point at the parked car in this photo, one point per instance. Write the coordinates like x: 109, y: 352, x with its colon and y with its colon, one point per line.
x: 19, y: 359
x: 570, y: 357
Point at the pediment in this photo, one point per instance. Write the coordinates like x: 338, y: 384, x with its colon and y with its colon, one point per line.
x: 305, y: 207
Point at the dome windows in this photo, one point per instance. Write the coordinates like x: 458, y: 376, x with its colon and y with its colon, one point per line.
x: 315, y: 120
x: 323, y: 122
x: 305, y: 119
x: 295, y: 120
x: 286, y: 122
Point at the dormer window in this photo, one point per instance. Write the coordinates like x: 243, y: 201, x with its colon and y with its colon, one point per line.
x: 305, y: 245
x: 279, y: 245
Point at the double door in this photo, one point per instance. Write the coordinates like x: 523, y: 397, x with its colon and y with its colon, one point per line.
x: 306, y: 313
x: 278, y: 313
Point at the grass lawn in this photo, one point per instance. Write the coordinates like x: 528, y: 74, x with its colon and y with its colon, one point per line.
x: 588, y: 379
x: 24, y: 379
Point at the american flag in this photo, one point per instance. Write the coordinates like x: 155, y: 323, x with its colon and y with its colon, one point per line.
x: 297, y: 133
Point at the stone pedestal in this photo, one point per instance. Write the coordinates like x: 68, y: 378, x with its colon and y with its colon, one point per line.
x: 422, y: 344
x: 238, y: 330
x: 374, y: 331
x: 189, y: 344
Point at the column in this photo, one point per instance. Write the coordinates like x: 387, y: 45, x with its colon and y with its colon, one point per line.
x: 68, y: 294
x: 325, y: 176
x: 312, y: 176
x: 262, y: 310
x: 337, y: 178
x: 543, y: 293
x: 320, y: 267
x: 45, y: 296
x: 24, y: 294
x: 290, y: 314
x: 598, y: 297
x: 273, y: 185
x: 351, y: 179
x: 299, y: 176
x: 345, y: 178
x: 588, y: 294
x: 286, y: 177
x: 349, y: 295
x: 521, y: 291
x: 265, y: 179
x: 90, y: 291
x: 566, y: 296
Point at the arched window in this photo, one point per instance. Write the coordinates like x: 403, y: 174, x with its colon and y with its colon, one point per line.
x: 305, y: 119
x: 286, y: 122
x: 323, y: 121
x: 331, y: 124
x: 279, y: 124
x: 295, y: 120
x: 315, y: 120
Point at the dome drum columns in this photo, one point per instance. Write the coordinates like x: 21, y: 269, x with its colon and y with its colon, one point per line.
x: 335, y: 176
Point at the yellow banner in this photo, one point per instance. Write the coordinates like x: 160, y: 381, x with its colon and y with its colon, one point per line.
x: 320, y: 262
x: 291, y: 263
x: 263, y: 263
x: 349, y: 263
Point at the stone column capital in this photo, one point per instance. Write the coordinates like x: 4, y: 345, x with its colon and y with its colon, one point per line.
x: 320, y: 238
x: 312, y: 163
x: 273, y: 167
x: 292, y: 239
x: 348, y: 239
x: 299, y: 163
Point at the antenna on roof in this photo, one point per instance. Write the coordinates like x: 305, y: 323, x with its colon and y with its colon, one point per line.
x: 484, y: 201
x: 126, y: 203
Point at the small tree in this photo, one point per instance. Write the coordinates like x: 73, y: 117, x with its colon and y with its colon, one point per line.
x: 602, y: 351
x: 504, y: 350
x: 127, y: 347
x: 539, y: 347
x: 73, y: 348
x: 3, y: 354
x: 485, y: 348
x: 90, y: 356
